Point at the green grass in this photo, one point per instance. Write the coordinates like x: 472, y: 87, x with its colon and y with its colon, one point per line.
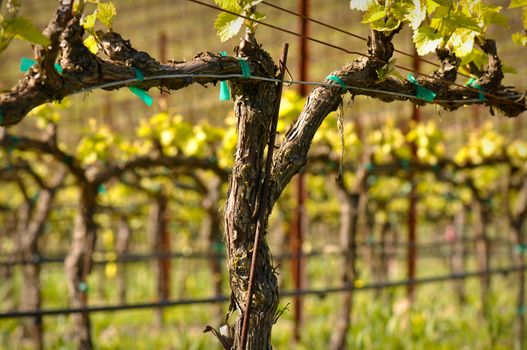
x: 380, y: 321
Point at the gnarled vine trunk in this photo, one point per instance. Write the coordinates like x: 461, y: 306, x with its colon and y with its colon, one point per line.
x: 121, y: 247
x: 78, y: 264
x: 212, y: 234
x: 158, y: 220
x: 352, y: 207
x: 481, y: 222
x: 520, y: 294
x: 31, y: 291
x: 254, y: 106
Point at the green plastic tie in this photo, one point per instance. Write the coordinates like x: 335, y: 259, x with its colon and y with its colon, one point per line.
x: 68, y: 160
x: 14, y: 143
x: 26, y: 63
x: 521, y: 248
x: 521, y: 310
x: 338, y: 81
x: 472, y: 83
x: 101, y: 189
x: 1, y: 117
x: 246, y: 70
x: 58, y: 68
x: 83, y: 287
x: 218, y: 247
x: 138, y: 74
x: 370, y: 167
x: 405, y: 163
x: 142, y: 94
x: 225, y: 93
x: 421, y: 92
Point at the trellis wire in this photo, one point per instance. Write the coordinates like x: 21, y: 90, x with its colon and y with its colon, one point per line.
x: 288, y: 293
x: 350, y: 52
x: 253, y: 77
x: 59, y: 257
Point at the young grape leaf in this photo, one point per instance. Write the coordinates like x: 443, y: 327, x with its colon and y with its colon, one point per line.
x: 462, y: 42
x: 91, y: 44
x: 417, y: 15
x: 426, y: 40
x: 519, y: 38
x: 517, y: 3
x: 106, y: 13
x: 362, y: 5
x: 23, y: 28
x: 230, y: 5
x: 88, y: 22
x: 375, y: 13
x: 228, y: 25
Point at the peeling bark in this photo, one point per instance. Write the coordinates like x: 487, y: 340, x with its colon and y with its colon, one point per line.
x: 481, y: 223
x: 211, y: 231
x: 254, y: 107
x: 158, y: 220
x: 78, y: 264
x: 121, y: 247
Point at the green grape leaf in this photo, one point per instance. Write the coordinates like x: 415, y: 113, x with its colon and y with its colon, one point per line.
x: 426, y: 40
x: 373, y: 14
x: 106, y: 12
x: 227, y: 25
x: 383, y: 25
x: 478, y: 57
x: 231, y: 5
x: 91, y: 44
x: 462, y: 42
x: 23, y: 28
x: 517, y: 3
x: 490, y: 14
x: 88, y: 22
x: 444, y: 3
x: 417, y: 15
x: 362, y: 5
x: 431, y: 6
x: 400, y: 9
x: 519, y: 38
x: 445, y: 22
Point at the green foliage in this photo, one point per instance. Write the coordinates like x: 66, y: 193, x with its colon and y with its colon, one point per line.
x: 104, y: 12
x: 520, y: 38
x: 389, y: 70
x: 14, y: 26
x: 454, y: 25
x: 228, y: 25
x: 426, y: 40
x: 362, y: 5
x: 98, y: 144
x: 22, y: 28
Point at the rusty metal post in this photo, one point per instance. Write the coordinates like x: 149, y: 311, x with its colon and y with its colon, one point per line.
x: 299, y: 219
x: 163, y: 43
x: 412, y: 207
